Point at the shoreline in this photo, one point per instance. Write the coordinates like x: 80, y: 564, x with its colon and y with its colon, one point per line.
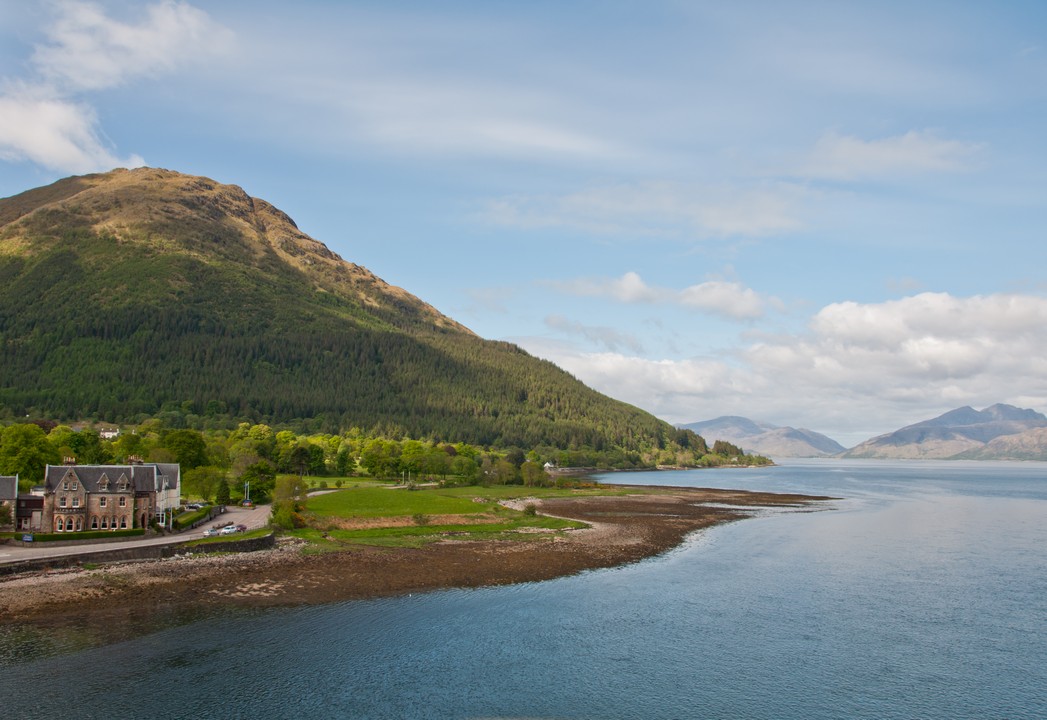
x: 622, y: 529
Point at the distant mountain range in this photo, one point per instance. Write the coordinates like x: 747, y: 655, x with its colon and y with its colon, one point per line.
x: 766, y: 439
x: 999, y: 432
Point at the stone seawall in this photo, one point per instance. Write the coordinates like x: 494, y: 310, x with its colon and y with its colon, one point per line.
x: 131, y: 554
x: 247, y: 545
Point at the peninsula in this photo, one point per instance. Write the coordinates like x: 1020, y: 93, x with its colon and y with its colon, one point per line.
x: 629, y: 525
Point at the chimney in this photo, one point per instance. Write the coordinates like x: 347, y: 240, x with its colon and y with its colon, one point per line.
x: 134, y: 459
x: 69, y: 460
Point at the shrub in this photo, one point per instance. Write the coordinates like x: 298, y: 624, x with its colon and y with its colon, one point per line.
x: 420, y: 519
x: 88, y: 535
x: 530, y: 509
x: 186, y: 519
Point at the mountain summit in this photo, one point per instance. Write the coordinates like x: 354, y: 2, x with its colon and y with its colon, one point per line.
x: 135, y: 292
x: 1000, y: 431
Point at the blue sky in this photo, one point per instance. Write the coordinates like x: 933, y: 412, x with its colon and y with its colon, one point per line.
x: 819, y: 214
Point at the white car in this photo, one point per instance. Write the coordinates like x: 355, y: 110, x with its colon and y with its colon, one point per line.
x: 229, y: 530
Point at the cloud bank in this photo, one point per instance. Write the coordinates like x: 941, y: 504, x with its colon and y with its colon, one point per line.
x: 858, y: 370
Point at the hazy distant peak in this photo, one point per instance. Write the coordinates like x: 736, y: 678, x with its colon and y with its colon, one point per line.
x: 765, y: 438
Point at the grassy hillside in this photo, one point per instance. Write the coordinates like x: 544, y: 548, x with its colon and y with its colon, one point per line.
x: 130, y: 292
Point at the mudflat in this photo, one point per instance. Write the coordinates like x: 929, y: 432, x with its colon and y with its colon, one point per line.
x: 622, y: 529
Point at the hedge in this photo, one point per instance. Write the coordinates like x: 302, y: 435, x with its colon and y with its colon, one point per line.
x: 186, y: 519
x: 87, y: 535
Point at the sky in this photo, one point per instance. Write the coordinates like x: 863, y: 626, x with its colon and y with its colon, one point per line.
x: 817, y: 214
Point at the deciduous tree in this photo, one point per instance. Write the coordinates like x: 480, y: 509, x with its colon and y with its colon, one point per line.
x: 25, y: 451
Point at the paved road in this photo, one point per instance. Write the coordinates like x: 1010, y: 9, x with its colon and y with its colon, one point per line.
x: 255, y: 517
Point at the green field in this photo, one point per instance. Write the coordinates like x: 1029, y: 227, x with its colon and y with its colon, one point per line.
x: 389, y: 502
x: 480, y: 520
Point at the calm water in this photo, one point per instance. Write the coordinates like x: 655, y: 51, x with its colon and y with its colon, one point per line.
x: 923, y: 594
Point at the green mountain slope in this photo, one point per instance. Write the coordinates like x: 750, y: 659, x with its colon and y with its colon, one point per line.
x: 128, y: 292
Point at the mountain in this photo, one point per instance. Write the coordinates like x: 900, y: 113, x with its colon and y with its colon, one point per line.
x: 765, y: 439
x: 997, y: 432
x: 143, y: 292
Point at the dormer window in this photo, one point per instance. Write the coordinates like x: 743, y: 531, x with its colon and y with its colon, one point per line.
x: 65, y: 486
x: 75, y: 486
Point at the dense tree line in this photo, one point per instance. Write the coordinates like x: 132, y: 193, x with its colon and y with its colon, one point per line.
x: 214, y: 461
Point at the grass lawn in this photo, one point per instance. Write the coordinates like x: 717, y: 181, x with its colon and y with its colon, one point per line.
x: 486, y: 520
x: 386, y: 502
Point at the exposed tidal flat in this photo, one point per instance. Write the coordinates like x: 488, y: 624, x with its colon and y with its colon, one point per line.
x: 922, y: 594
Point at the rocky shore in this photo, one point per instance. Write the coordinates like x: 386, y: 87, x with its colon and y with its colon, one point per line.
x: 622, y: 529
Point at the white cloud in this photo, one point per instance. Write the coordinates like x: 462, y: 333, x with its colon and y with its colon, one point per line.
x: 42, y: 119
x: 728, y: 299
x: 56, y: 134
x: 860, y: 370
x: 716, y: 297
x: 603, y: 336
x: 662, y: 209
x: 629, y: 288
x: 843, y: 157
x: 88, y: 50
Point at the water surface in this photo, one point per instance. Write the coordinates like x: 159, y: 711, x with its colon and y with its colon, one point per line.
x: 922, y: 593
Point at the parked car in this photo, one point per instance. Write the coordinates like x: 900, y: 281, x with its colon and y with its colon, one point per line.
x: 241, y: 528
x: 228, y: 530
x: 210, y: 532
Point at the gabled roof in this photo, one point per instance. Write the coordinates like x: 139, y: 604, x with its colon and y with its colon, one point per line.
x: 171, y: 471
x: 148, y: 477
